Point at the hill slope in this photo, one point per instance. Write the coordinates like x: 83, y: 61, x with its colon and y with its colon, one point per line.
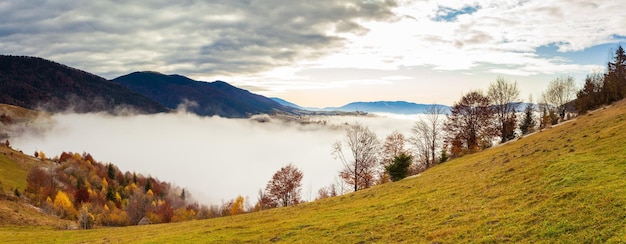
x: 562, y: 184
x: 214, y: 98
x: 32, y: 82
x: 14, y: 167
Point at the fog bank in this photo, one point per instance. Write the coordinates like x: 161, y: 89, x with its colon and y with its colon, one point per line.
x: 215, y: 158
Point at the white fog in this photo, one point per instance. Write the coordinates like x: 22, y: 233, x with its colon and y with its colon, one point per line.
x: 214, y: 158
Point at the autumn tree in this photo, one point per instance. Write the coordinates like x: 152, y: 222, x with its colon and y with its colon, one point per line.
x: 63, y: 205
x: 427, y: 134
x: 399, y: 167
x: 470, y: 126
x: 139, y: 204
x: 237, y: 206
x: 327, y: 191
x: 264, y: 201
x: 392, y: 147
x: 40, y: 185
x: 285, y: 186
x: 359, y: 170
x: 504, y: 96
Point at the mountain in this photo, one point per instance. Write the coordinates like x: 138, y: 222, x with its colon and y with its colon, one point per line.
x: 203, y: 98
x: 33, y: 82
x: 286, y: 103
x: 396, y: 107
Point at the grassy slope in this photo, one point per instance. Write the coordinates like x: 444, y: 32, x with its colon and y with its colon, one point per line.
x: 566, y: 184
x: 14, y: 167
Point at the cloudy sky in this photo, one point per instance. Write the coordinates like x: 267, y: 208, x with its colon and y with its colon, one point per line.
x: 325, y: 53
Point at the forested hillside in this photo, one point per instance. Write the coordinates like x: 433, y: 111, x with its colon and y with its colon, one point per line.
x: 32, y: 82
x: 203, y: 98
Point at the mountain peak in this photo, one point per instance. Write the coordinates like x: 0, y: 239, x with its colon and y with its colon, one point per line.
x: 213, y: 98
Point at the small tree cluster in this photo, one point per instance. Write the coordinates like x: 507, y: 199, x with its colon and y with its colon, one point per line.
x: 79, y: 188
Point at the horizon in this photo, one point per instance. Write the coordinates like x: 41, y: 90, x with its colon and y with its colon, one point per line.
x: 327, y: 54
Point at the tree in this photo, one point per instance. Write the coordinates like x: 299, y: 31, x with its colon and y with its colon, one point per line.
x: 393, y: 146
x: 264, y: 201
x: 504, y: 96
x: 399, y: 168
x: 237, y: 206
x: 528, y: 123
x: 63, y: 205
x: 327, y: 191
x: 139, y: 204
x: 589, y: 97
x: 427, y: 134
x: 365, y: 149
x: 470, y: 126
x: 614, y: 87
x: 285, y: 186
x: 560, y: 91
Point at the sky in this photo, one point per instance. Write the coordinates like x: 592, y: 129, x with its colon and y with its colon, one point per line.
x: 327, y: 52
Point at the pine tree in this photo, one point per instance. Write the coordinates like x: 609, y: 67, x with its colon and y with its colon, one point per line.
x: 399, y: 167
x: 528, y: 121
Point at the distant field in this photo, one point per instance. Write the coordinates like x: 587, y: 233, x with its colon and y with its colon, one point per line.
x: 563, y: 184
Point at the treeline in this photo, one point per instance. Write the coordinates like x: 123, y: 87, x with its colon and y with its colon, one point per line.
x: 604, y: 88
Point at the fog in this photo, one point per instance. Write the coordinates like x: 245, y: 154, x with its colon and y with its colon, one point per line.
x: 215, y: 158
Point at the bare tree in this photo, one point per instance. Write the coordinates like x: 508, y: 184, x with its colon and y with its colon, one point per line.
x: 285, y: 186
x: 505, y: 96
x: 427, y: 135
x: 470, y: 126
x: 360, y: 170
x: 560, y: 91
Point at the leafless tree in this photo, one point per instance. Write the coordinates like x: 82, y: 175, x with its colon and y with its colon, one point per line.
x: 505, y: 96
x: 427, y: 135
x: 560, y: 91
x: 360, y: 170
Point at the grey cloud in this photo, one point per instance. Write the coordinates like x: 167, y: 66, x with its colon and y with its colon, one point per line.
x: 217, y: 37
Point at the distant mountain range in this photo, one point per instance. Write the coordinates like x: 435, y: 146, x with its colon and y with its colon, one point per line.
x: 36, y: 83
x: 33, y: 83
x: 396, y: 107
x: 203, y: 98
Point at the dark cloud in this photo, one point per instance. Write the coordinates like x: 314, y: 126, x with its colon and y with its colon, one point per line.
x: 190, y: 37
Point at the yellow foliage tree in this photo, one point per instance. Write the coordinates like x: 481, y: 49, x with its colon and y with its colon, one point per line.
x: 183, y: 214
x: 237, y: 207
x: 63, y: 206
x: 105, y: 184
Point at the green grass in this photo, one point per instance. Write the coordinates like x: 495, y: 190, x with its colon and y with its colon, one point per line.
x: 565, y: 184
x: 11, y: 174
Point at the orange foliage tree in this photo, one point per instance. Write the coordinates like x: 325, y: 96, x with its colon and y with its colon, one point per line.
x: 285, y: 186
